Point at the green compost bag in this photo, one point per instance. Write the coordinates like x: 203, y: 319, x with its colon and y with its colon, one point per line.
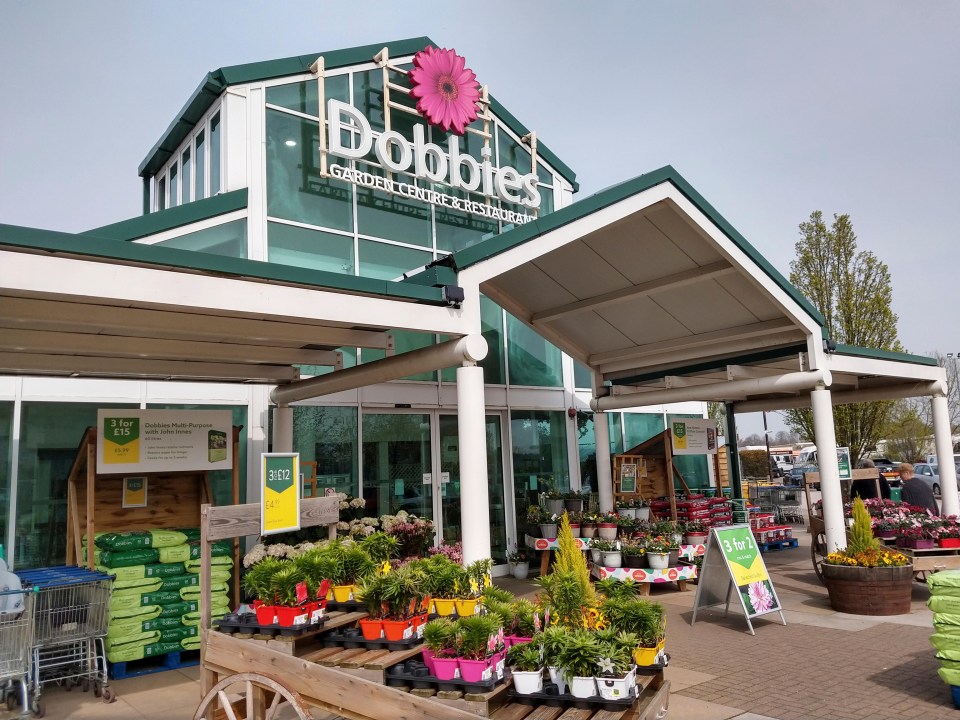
x: 943, y: 579
x: 219, y: 562
x: 943, y: 618
x: 193, y: 534
x: 131, y: 626
x: 193, y: 592
x: 160, y: 648
x: 125, y: 558
x: 139, y: 638
x: 129, y: 653
x: 948, y: 664
x: 136, y: 587
x: 217, y: 574
x: 131, y: 612
x: 174, y: 554
x: 178, y: 634
x: 122, y: 603
x: 190, y: 643
x: 219, y: 606
x: 946, y: 642
x: 135, y: 572
x: 178, y: 609
x: 950, y: 677
x: 946, y: 604
x: 179, y: 581
x: 221, y: 549
x: 136, y: 540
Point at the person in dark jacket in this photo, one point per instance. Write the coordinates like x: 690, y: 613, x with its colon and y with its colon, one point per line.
x: 866, y: 488
x: 915, y: 491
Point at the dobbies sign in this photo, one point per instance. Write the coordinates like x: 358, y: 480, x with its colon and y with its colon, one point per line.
x: 447, y: 97
x: 148, y: 441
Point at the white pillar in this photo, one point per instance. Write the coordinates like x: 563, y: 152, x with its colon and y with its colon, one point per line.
x: 949, y: 502
x: 472, y: 436
x: 826, y: 438
x: 283, y: 429
x: 601, y: 433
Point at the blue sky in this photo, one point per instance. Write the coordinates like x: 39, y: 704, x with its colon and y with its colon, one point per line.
x: 771, y: 110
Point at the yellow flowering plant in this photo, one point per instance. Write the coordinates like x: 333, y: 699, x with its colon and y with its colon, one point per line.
x: 864, y: 550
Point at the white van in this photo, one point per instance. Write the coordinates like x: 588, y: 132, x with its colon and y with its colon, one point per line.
x: 807, y: 456
x: 784, y: 461
x: 932, y: 459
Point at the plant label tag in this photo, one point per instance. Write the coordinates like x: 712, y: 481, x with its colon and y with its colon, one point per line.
x: 500, y: 668
x: 420, y: 631
x: 408, y: 632
x: 316, y: 615
x: 487, y: 674
x: 300, y: 619
x: 323, y: 590
x: 302, y: 594
x: 456, y: 673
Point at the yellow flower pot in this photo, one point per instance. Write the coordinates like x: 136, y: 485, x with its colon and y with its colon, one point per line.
x: 466, y: 607
x: 444, y: 606
x: 647, y: 656
x: 343, y: 593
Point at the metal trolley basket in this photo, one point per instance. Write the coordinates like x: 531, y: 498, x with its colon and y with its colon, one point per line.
x: 16, y: 641
x: 70, y: 622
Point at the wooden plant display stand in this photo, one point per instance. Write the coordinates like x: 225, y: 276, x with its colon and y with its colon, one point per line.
x: 94, y: 502
x: 655, y: 472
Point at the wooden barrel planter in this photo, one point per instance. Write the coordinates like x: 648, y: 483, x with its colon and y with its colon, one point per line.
x: 869, y: 591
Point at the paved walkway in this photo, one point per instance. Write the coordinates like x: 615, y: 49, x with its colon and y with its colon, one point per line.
x: 821, y: 666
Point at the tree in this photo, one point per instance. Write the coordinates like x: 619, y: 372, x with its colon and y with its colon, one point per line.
x: 851, y: 289
x: 907, y: 432
x: 754, y: 463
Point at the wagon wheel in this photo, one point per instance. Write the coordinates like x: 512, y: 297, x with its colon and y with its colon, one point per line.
x: 242, y: 686
x: 818, y: 551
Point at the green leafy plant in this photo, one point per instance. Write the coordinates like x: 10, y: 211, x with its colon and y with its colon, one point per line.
x: 380, y: 546
x: 571, y: 559
x: 552, y: 640
x: 603, y: 545
x: 861, y: 537
x: 372, y: 590
x: 618, y: 589
x: 492, y: 592
x: 563, y: 593
x: 615, y: 660
x: 258, y: 580
x: 473, y: 635
x: 403, y: 591
x: 643, y: 618
x: 440, y: 636
x: 525, y: 657
x: 321, y: 564
x: 443, y: 578
x: 658, y: 545
x: 356, y: 564
x: 479, y: 574
x: 284, y: 583
x: 580, y: 655
x: 523, y: 613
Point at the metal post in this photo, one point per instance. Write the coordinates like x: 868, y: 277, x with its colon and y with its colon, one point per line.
x: 733, y: 454
x: 601, y: 434
x: 472, y: 436
x: 826, y: 438
x: 283, y: 429
x: 766, y: 439
x: 949, y: 503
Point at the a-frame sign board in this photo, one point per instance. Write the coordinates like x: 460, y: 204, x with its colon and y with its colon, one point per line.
x: 733, y: 562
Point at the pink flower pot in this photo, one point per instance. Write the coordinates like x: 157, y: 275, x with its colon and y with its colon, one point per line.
x: 473, y: 670
x: 445, y: 668
x: 428, y: 658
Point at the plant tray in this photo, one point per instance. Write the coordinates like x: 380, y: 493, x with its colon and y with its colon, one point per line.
x: 348, y: 606
x: 255, y: 628
x: 406, y: 674
x: 338, y: 638
x: 566, y: 700
x: 655, y: 668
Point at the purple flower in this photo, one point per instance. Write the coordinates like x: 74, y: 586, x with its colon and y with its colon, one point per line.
x: 760, y: 596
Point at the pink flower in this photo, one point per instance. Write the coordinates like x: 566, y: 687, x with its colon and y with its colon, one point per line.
x: 446, y: 91
x: 760, y: 597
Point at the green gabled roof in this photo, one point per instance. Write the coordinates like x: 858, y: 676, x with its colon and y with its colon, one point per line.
x: 163, y: 220
x: 854, y: 351
x: 605, y: 198
x: 127, y: 252
x: 219, y: 80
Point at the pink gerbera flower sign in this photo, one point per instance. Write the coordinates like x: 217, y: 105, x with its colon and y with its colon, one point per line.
x: 446, y: 91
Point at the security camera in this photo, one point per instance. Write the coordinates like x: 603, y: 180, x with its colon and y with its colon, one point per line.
x: 453, y: 295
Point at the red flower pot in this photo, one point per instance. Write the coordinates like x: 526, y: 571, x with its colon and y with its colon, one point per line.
x: 371, y: 629
x: 949, y: 542
x: 290, y: 616
x: 266, y: 614
x: 397, y: 630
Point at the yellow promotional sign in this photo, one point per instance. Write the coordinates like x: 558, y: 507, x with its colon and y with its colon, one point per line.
x: 680, y: 435
x: 121, y: 440
x: 134, y: 492
x: 280, y: 493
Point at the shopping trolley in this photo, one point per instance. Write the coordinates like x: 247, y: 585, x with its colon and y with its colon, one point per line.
x: 16, y: 642
x: 70, y: 622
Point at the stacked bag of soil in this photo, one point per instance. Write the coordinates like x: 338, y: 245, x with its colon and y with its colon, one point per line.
x: 155, y: 604
x: 945, y: 603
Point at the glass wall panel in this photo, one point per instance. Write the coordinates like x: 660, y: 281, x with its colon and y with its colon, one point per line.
x: 581, y: 376
x: 295, y: 190
x: 539, y: 457
x: 349, y: 360
x: 368, y: 98
x: 49, y: 436
x: 615, y: 427
x: 221, y: 481
x: 162, y: 194
x: 6, y: 449
x: 200, y: 188
x: 302, y: 96
x: 215, y: 154
x: 328, y: 437
x: 392, y: 216
x: 388, y: 262
x: 228, y: 240
x: 692, y: 467
x: 532, y: 360
x: 291, y: 245
x: 174, y: 186
x: 185, y: 181
x: 491, y: 327
x: 587, y: 450
x: 641, y: 426
x: 396, y: 454
x: 404, y: 341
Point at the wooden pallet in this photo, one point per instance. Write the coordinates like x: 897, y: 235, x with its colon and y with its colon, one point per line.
x: 777, y: 545
x: 651, y: 705
x: 307, y: 641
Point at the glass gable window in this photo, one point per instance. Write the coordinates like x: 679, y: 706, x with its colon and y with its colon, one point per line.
x: 638, y: 427
x: 392, y: 216
x: 200, y: 189
x: 228, y: 240
x: 162, y: 194
x: 215, y: 154
x: 185, y: 170
x: 302, y: 96
x: 174, y: 186
x: 388, y: 262
x: 531, y: 359
x: 302, y: 247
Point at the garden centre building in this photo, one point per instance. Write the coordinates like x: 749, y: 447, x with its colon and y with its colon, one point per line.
x: 406, y: 291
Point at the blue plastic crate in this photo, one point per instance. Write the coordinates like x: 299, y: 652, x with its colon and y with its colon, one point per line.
x: 955, y: 690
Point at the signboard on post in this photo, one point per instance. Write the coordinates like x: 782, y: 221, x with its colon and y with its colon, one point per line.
x: 843, y: 462
x: 279, y: 493
x: 733, y: 561
x: 149, y: 441
x: 628, y: 478
x: 693, y: 436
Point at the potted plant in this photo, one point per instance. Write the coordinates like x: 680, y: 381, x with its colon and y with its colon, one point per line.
x: 372, y: 590
x: 579, y: 658
x: 695, y: 533
x: 615, y: 676
x: 550, y: 642
x: 634, y: 554
x: 607, y: 526
x: 658, y: 552
x: 574, y: 518
x: 439, y: 653
x: 866, y: 578
x: 588, y: 525
x: 356, y: 566
x: 524, y: 621
x: 289, y: 609
x: 474, y: 635
x: 380, y: 546
x: 258, y: 581
x: 641, y: 509
x: 442, y: 580
x: 519, y: 565
x: 886, y: 529
x: 948, y: 534
x: 573, y: 501
x: 641, y: 619
x: 625, y: 508
x: 526, y: 667
x: 919, y: 537
x: 599, y: 547
x: 468, y: 593
x: 554, y: 502
x: 402, y: 593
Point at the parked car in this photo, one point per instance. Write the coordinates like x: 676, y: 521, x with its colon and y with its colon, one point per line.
x: 928, y: 473
x: 886, y: 465
x: 796, y: 475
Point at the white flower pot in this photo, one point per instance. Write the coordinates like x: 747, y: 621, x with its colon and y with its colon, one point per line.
x: 595, y: 556
x: 526, y: 683
x: 555, y: 507
x: 628, y: 512
x: 658, y: 561
x: 583, y: 687
x: 612, y: 559
x: 607, y: 533
x: 548, y: 530
x: 613, y: 688
x: 520, y: 570
x: 558, y: 678
x: 643, y: 513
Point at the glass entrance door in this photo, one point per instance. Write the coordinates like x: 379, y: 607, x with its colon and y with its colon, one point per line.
x: 397, y: 460
x: 447, y: 485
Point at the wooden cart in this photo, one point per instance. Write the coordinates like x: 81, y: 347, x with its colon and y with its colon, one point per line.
x: 243, y: 678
